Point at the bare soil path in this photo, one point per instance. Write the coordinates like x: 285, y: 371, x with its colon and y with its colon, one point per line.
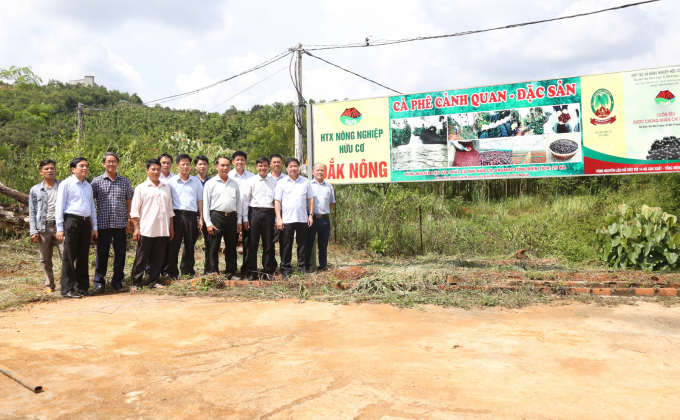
x: 145, y: 356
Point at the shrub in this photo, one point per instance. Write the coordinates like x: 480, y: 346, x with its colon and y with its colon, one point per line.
x: 646, y: 238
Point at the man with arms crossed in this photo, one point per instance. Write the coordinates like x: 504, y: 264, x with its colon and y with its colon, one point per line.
x: 259, y: 218
x: 293, y: 196
x: 222, y: 216
x: 76, y: 219
x: 113, y: 195
x: 42, y: 200
x: 240, y: 175
x: 324, y: 202
x: 152, y: 217
x: 187, y: 204
x: 202, y: 164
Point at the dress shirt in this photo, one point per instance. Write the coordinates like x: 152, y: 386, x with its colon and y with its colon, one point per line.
x: 221, y: 196
x: 75, y: 197
x: 240, y: 179
x: 111, y: 198
x: 258, y: 192
x: 279, y: 178
x: 324, y: 196
x: 166, y: 180
x: 152, y: 204
x: 293, y: 196
x: 186, y: 195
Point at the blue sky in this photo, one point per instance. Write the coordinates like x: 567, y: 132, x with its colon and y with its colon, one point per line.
x: 161, y: 48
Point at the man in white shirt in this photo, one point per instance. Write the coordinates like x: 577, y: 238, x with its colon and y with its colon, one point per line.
x: 240, y: 175
x: 259, y: 218
x: 292, y: 197
x: 152, y: 217
x: 324, y: 202
x: 187, y: 204
x: 76, y: 220
x: 222, y: 215
x: 276, y: 162
x: 166, y: 165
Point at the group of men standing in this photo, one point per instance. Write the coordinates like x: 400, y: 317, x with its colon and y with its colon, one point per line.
x: 169, y: 210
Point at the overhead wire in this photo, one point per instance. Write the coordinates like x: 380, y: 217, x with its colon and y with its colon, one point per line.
x: 379, y: 43
x: 349, y: 71
x: 232, y: 97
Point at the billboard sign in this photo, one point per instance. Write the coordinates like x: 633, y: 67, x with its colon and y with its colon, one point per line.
x: 594, y: 125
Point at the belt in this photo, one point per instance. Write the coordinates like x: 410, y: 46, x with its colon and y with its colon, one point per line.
x: 222, y: 213
x: 320, y: 216
x: 50, y: 222
x: 262, y: 208
x: 75, y: 216
x: 186, y: 212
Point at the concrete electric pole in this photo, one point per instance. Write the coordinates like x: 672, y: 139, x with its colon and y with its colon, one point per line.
x: 79, y: 122
x: 298, y: 106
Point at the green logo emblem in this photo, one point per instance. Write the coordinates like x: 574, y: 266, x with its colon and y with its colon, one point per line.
x: 602, y: 103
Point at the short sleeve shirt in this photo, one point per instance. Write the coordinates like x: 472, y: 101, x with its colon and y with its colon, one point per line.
x: 293, y: 196
x: 186, y: 195
x: 324, y: 196
x: 111, y: 199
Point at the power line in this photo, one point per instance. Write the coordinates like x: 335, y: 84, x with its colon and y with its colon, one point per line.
x: 380, y: 43
x: 271, y: 75
x: 348, y: 71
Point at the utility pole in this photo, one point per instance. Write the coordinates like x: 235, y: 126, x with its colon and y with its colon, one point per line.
x: 79, y: 122
x: 298, y: 106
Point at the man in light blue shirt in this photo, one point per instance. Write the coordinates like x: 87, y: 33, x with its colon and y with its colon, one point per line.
x: 76, y: 220
x: 324, y: 202
x: 187, y: 203
x: 292, y: 197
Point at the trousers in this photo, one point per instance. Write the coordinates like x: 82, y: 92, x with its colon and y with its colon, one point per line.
x: 74, y: 266
x: 299, y: 232
x: 226, y: 229
x: 206, y: 248
x: 152, y: 251
x: 262, y: 227
x: 245, y: 236
x: 186, y: 230
x: 101, y: 263
x: 322, y: 227
x: 46, y: 243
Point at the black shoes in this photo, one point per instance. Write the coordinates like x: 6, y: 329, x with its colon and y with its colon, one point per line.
x: 100, y: 289
x: 119, y: 289
x: 72, y: 295
x: 84, y: 292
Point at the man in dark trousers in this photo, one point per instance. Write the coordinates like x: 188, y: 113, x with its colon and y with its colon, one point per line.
x: 201, y: 164
x: 152, y: 217
x: 222, y: 215
x: 76, y: 220
x: 240, y: 175
x: 293, y: 197
x: 324, y: 202
x: 259, y: 218
x: 187, y: 204
x: 42, y: 202
x: 113, y: 195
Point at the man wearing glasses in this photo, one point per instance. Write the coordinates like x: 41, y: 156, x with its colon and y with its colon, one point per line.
x: 113, y: 195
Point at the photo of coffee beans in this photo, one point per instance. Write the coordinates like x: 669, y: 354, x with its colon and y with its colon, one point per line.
x: 667, y: 148
x: 496, y: 158
x: 564, y: 147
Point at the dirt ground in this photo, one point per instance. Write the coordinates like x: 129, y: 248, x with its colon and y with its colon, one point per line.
x: 146, y: 356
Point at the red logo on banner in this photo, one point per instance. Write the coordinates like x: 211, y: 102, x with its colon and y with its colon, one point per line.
x: 611, y: 120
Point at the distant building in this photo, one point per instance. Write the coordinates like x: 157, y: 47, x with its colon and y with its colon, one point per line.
x: 87, y: 81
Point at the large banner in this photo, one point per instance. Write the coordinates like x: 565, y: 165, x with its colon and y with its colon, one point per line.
x: 618, y: 123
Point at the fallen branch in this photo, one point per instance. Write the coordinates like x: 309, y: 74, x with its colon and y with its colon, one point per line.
x: 14, y: 194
